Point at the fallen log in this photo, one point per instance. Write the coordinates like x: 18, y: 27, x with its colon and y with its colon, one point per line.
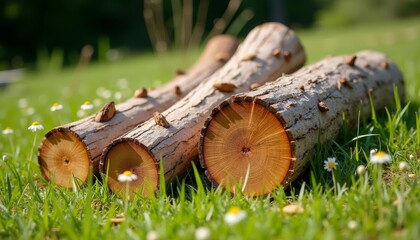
x: 172, y: 137
x: 261, y: 139
x: 72, y: 150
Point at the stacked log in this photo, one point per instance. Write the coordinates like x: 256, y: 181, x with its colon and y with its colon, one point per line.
x: 71, y: 151
x: 259, y: 140
x: 171, y: 137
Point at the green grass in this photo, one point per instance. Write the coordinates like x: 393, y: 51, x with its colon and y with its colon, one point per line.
x: 364, y: 207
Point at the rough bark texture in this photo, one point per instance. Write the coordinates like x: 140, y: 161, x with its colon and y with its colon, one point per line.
x: 90, y: 137
x: 309, y: 106
x: 259, y: 59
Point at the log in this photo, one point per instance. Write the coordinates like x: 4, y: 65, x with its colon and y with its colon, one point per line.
x: 171, y: 138
x: 258, y: 140
x: 74, y: 149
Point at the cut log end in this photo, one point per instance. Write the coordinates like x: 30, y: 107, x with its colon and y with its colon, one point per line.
x: 63, y: 158
x: 245, y: 147
x: 130, y: 156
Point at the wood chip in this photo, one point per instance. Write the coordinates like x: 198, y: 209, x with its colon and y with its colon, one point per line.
x: 323, y: 107
x: 221, y: 57
x: 249, y: 57
x: 106, y: 113
x: 287, y: 56
x: 180, y: 72
x: 277, y: 53
x: 344, y: 82
x: 160, y: 120
x: 117, y: 221
x: 350, y: 60
x: 254, y: 86
x: 141, y: 93
x: 293, y: 209
x: 302, y: 88
x: 225, y: 87
x: 384, y: 65
x: 177, y: 90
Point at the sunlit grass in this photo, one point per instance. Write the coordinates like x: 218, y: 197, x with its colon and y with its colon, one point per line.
x: 366, y: 206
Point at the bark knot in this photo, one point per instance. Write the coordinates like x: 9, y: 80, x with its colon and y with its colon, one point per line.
x: 141, y: 93
x: 106, y: 113
x: 323, y: 107
x: 224, y: 87
x: 160, y: 120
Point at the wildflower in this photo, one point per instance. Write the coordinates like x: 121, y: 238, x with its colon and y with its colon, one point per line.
x: 412, y: 175
x: 86, y: 105
x: 30, y: 111
x: 127, y: 176
x: 152, y: 235
x: 56, y: 107
x: 403, y: 166
x: 234, y: 215
x: 352, y: 224
x: 293, y: 209
x: 380, y: 157
x: 35, y: 126
x: 202, y: 233
x: 373, y: 151
x: 7, y: 131
x: 361, y: 169
x: 330, y: 164
x: 411, y: 157
x: 4, y: 157
x: 23, y: 103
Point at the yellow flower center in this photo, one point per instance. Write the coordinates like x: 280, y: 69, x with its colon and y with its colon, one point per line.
x: 35, y: 123
x: 234, y: 210
x: 381, y: 154
x: 127, y: 173
x: 55, y: 105
x: 331, y: 165
x: 86, y: 103
x: 7, y: 129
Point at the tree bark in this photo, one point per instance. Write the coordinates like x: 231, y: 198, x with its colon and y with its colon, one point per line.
x: 269, y: 51
x: 72, y: 150
x: 256, y: 141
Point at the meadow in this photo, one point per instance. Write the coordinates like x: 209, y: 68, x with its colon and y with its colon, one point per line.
x: 383, y: 202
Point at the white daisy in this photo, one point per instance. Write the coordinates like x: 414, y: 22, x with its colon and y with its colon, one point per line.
x: 380, y: 157
x: 234, y: 215
x: 86, y: 106
x: 152, y: 235
x: 127, y: 176
x: 7, y: 131
x: 330, y: 164
x: 56, y: 107
x: 35, y: 126
x: 202, y: 233
x: 403, y: 166
x: 361, y: 169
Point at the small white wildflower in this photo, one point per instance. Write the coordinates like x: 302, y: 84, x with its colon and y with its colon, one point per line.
x: 86, y: 105
x: 380, y: 157
x: 152, y: 235
x: 4, y: 157
x: 330, y: 164
x: 293, y: 209
x: 202, y: 233
x: 22, y: 103
x: 35, y: 126
x: 97, y: 102
x: 403, y: 166
x: 56, y: 107
x: 118, y: 95
x: 373, y: 151
x: 7, y: 131
x: 81, y: 113
x: 30, y: 111
x: 361, y: 169
x: 411, y: 157
x: 127, y: 176
x: 234, y: 215
x: 122, y: 83
x: 352, y: 224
